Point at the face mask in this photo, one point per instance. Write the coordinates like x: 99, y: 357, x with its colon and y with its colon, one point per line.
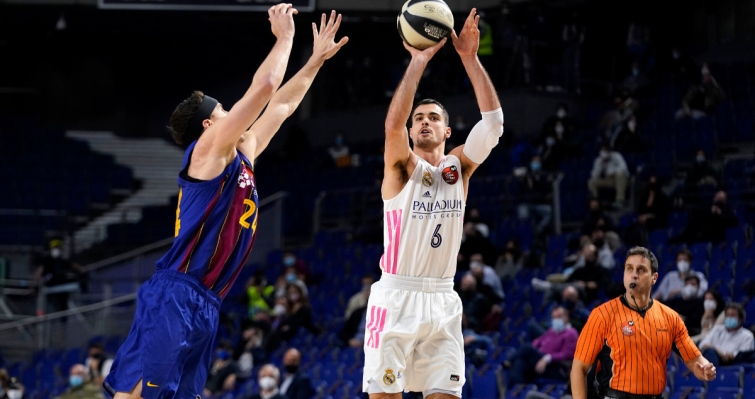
x: 632, y: 125
x: 731, y: 322
x: 558, y: 325
x: 55, y: 252
x: 535, y: 166
x: 709, y: 304
x: 605, y: 154
x: 279, y: 310
x: 16, y: 393
x: 700, y: 159
x: 75, y: 380
x: 291, y: 278
x: 292, y: 368
x: 559, y: 129
x: 289, y: 261
x: 689, y: 291
x: 267, y: 383
x: 682, y: 266
x: 561, y: 113
x: 550, y: 141
x: 294, y: 297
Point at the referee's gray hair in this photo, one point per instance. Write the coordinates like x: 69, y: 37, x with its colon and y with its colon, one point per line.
x: 645, y: 253
x: 275, y: 370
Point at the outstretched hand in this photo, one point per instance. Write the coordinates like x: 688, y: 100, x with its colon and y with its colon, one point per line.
x: 325, y: 45
x: 281, y: 18
x: 468, y: 40
x: 427, y: 53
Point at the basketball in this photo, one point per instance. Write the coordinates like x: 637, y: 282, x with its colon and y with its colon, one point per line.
x: 423, y: 23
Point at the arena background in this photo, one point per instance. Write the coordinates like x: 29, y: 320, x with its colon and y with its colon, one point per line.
x: 86, y: 93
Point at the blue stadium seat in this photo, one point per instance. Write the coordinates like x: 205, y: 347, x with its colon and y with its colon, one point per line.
x: 722, y: 393
x: 727, y: 377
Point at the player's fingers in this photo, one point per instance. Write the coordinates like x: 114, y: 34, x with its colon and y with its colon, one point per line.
x: 343, y: 41
x: 338, y: 23
x: 294, y: 11
x: 314, y: 29
x: 332, y: 19
x: 476, y: 21
x: 323, y: 22
x: 471, y: 14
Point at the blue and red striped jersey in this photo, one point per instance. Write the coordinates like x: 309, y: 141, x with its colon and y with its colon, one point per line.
x: 216, y: 222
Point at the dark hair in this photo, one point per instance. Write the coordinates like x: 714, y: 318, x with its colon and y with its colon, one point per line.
x: 645, y: 253
x: 692, y: 277
x: 97, y: 345
x: 436, y: 102
x: 182, y: 116
x: 684, y: 251
x: 720, y: 304
x: 739, y: 308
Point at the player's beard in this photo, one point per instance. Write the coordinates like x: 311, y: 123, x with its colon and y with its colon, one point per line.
x: 427, y: 143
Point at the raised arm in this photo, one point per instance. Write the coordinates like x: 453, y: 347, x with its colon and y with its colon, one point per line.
x: 216, y: 146
x: 287, y: 99
x: 397, y: 151
x: 484, y: 136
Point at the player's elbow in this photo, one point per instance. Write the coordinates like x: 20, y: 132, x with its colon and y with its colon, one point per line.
x: 494, y: 121
x: 264, y: 86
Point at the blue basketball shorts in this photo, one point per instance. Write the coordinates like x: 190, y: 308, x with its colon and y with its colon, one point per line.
x: 171, y: 343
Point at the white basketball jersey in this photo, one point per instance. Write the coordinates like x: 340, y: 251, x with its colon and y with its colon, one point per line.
x: 424, y: 222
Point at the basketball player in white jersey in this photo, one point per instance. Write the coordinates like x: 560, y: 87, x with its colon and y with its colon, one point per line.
x: 413, y: 339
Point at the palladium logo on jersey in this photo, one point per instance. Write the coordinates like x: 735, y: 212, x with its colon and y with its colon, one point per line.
x: 437, y: 209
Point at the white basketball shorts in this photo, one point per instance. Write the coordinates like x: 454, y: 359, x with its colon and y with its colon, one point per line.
x: 413, y: 339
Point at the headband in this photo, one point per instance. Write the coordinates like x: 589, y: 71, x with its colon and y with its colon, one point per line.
x: 203, y: 112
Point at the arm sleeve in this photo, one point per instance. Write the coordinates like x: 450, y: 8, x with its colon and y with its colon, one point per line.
x: 591, y: 340
x: 687, y: 349
x: 484, y: 136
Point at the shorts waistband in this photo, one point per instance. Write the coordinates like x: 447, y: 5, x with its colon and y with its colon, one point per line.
x: 609, y: 393
x: 420, y: 284
x: 191, y: 281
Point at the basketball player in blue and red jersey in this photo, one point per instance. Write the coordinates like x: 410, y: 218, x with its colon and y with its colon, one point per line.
x: 170, y: 346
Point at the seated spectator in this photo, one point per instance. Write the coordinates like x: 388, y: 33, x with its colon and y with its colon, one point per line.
x: 548, y: 356
x: 536, y: 196
x: 729, y: 344
x: 689, y: 305
x: 609, y: 170
x: 352, y: 332
x: 98, y: 363
x: 359, y: 300
x: 475, y: 305
x: 552, y: 152
x: 713, y: 315
x: 299, y: 315
x: 598, y: 218
x: 80, y: 386
x: 637, y: 81
x: 702, y: 172
x: 289, y: 277
x: 672, y: 283
x: 340, y: 152
x: 221, y: 377
x: 472, y: 241
x: 474, y: 216
x: 653, y: 210
x: 614, y: 119
x: 268, y: 378
x: 709, y: 224
x: 249, y: 350
x: 511, y: 260
x: 628, y: 140
x: 573, y: 304
x: 486, y: 277
x: 560, y: 125
x: 605, y: 251
x: 680, y: 67
x: 11, y: 388
x: 259, y: 293
x: 301, y: 268
x: 296, y: 384
x: 587, y: 279
x: 703, y: 98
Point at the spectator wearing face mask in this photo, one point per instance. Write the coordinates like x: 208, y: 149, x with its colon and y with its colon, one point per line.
x: 552, y: 153
x: 637, y: 81
x: 486, y: 276
x: 511, y: 260
x: 536, y: 195
x: 549, y: 354
x: 301, y: 268
x: 588, y: 279
x: 713, y: 314
x: 701, y: 99
x: 222, y: 375
x: 689, y: 305
x: 339, y: 152
x: 249, y: 350
x: 299, y: 315
x: 98, y: 363
x: 628, y: 139
x: 80, y: 386
x: 296, y: 384
x: 289, y: 277
x: 54, y: 269
x: 709, y: 222
x: 672, y: 283
x: 268, y: 379
x: 560, y: 125
x: 609, y: 170
x: 729, y: 344
x: 702, y: 172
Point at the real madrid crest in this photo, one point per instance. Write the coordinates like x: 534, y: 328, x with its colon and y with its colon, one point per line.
x: 388, y: 377
x: 427, y: 179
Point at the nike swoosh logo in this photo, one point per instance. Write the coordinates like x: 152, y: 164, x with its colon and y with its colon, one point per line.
x: 151, y: 385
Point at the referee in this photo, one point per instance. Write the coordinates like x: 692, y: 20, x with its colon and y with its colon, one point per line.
x: 630, y: 338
